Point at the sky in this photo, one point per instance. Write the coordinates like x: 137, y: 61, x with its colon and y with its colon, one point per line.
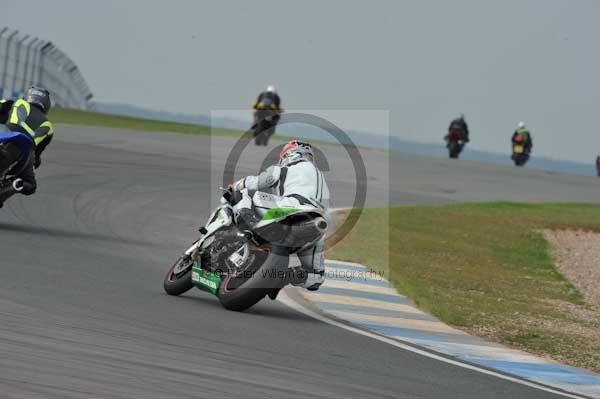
x: 423, y: 61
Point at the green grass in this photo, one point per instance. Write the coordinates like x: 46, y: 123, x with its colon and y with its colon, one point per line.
x: 88, y: 118
x: 483, y: 267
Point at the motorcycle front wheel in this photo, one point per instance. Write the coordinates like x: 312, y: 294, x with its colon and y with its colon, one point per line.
x: 179, y: 277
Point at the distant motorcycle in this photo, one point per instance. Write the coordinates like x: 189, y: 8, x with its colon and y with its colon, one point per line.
x: 242, y: 267
x: 266, y: 118
x: 520, y: 153
x: 455, y: 143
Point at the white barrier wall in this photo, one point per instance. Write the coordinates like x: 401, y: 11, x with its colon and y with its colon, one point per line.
x: 27, y: 61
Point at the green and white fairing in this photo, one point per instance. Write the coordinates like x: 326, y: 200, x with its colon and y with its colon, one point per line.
x: 270, y: 211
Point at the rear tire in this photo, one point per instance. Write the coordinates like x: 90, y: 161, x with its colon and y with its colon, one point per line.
x: 454, y: 150
x: 257, y: 139
x: 520, y: 159
x: 262, y: 133
x: 270, y: 276
x: 176, y: 284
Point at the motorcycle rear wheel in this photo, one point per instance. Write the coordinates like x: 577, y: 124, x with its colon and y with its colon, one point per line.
x: 520, y: 159
x: 454, y: 150
x: 269, y: 277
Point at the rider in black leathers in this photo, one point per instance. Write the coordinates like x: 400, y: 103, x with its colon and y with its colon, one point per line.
x: 267, y: 112
x: 460, y: 125
x: 30, y: 131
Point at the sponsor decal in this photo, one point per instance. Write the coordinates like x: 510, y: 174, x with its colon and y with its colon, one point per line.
x: 277, y: 213
x: 207, y: 283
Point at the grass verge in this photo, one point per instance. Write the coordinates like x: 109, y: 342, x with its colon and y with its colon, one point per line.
x: 88, y: 118
x: 485, y: 268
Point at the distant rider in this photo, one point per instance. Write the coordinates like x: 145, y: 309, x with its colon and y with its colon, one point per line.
x: 459, y: 125
x: 273, y: 98
x: 523, y: 131
x: 21, y: 148
x: 296, y: 181
x: 598, y: 164
x: 266, y: 105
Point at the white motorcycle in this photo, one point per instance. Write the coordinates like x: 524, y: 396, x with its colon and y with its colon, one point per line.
x: 243, y: 266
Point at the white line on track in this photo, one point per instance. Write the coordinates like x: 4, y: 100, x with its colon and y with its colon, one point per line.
x: 286, y: 300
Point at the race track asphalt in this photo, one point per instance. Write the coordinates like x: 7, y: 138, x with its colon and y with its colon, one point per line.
x: 83, y: 313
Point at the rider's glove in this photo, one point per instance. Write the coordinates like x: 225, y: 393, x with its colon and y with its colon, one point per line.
x: 238, y: 185
x: 17, y: 185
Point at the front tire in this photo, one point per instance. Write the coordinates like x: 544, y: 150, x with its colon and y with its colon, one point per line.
x: 179, y: 278
x: 520, y: 159
x: 269, y: 277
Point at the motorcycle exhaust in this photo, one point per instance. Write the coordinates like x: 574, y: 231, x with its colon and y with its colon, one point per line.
x: 321, y: 224
x: 304, y: 232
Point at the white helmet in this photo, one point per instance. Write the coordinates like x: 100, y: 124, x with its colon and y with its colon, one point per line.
x: 521, y: 125
x: 271, y: 89
x: 294, y: 151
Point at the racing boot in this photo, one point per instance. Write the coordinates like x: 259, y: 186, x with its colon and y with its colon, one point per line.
x: 313, y: 261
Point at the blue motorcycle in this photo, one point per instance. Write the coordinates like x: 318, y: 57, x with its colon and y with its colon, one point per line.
x: 15, y: 151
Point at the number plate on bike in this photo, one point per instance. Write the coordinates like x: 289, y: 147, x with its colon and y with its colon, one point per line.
x: 519, y: 149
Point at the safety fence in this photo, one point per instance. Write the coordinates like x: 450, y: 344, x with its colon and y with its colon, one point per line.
x: 27, y: 61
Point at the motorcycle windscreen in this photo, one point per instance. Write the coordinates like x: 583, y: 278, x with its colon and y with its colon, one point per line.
x: 266, y: 103
x: 456, y: 135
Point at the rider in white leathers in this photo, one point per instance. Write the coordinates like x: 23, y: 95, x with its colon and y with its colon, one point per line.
x: 296, y: 181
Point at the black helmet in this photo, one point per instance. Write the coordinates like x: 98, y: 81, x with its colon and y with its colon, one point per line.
x: 38, y: 96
